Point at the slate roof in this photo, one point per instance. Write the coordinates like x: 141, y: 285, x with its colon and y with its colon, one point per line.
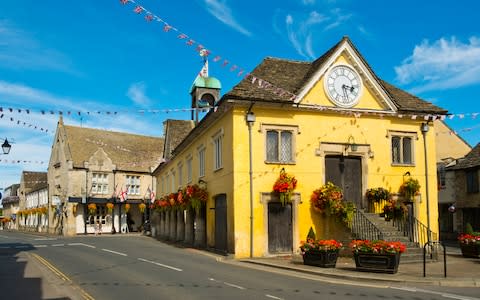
x: 471, y: 160
x: 129, y: 152
x: 292, y: 76
x: 34, y: 181
x: 175, y: 131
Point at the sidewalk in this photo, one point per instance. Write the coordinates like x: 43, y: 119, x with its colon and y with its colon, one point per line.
x: 461, y: 271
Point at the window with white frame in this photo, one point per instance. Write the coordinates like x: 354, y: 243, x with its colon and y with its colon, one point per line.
x: 217, y: 141
x: 201, y: 161
x: 180, y: 174
x: 402, y: 144
x: 189, y: 169
x: 133, y: 183
x: 99, y: 183
x: 173, y: 188
x: 279, y: 143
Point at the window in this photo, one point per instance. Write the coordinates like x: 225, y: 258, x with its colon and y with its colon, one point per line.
x: 201, y: 162
x: 280, y: 143
x: 217, y: 150
x: 173, y: 188
x: 189, y: 169
x: 133, y: 183
x: 472, y: 181
x: 441, y: 176
x: 180, y: 174
x: 99, y: 183
x: 402, y: 147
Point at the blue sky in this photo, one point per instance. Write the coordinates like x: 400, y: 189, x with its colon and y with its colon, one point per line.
x: 100, y: 56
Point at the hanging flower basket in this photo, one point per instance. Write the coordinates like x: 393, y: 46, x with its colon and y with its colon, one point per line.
x: 109, y: 207
x: 74, y: 208
x: 394, y: 210
x: 142, y: 207
x: 284, y: 186
x: 92, y: 208
x: 328, y: 199
x: 409, y: 189
x: 127, y: 207
x: 377, y: 194
x: 195, y: 196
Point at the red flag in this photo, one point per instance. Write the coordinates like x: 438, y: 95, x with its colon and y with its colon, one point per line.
x: 216, y: 58
x: 138, y: 9
x: 124, y: 195
x: 199, y: 47
x: 182, y: 36
x: 148, y: 17
x: 190, y: 42
x: 167, y: 28
x: 225, y: 62
x: 240, y: 72
x: 124, y: 1
x: 233, y: 68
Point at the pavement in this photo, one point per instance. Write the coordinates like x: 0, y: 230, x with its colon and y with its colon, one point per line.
x: 461, y: 271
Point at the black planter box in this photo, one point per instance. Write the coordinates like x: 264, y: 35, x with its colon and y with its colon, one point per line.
x: 470, y: 250
x: 374, y: 262
x: 324, y: 259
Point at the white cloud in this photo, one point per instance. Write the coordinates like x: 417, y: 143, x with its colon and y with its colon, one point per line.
x: 18, y: 50
x: 220, y: 10
x: 443, y: 64
x: 302, y: 30
x: 136, y: 92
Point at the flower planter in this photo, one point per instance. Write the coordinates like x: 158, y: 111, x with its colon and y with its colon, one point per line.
x: 375, y: 262
x: 470, y: 250
x: 319, y: 258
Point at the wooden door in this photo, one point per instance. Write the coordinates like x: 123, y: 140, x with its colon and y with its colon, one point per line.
x: 279, y: 228
x: 346, y: 172
x: 221, y: 223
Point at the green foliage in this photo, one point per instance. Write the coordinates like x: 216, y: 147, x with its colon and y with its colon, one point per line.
x: 311, y: 234
x: 410, y: 188
x: 468, y: 228
x: 377, y: 194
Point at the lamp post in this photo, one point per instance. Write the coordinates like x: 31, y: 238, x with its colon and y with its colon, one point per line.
x: 424, y: 128
x: 6, y: 146
x: 250, y: 118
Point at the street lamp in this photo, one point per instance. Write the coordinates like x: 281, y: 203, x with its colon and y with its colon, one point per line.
x: 250, y: 118
x: 424, y: 129
x: 6, y: 146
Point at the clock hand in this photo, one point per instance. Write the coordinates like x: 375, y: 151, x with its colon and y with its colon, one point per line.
x: 345, y: 94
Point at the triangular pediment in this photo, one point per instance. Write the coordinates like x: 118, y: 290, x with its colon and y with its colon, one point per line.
x: 342, y: 79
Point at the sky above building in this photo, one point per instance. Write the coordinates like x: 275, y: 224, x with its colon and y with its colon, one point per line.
x: 110, y: 65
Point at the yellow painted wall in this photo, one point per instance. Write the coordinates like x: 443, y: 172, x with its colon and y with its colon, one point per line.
x: 317, y: 127
x: 448, y: 143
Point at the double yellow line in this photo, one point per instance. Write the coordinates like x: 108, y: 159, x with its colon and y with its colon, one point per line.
x: 64, y: 277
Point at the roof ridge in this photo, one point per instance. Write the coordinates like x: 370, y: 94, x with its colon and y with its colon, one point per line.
x: 286, y: 60
x: 112, y: 131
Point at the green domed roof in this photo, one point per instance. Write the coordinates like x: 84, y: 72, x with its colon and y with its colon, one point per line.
x: 208, y: 82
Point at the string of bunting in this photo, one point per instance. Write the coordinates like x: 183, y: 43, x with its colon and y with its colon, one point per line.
x: 14, y: 161
x: 254, y: 80
x: 25, y: 124
x: 98, y: 112
x: 150, y: 16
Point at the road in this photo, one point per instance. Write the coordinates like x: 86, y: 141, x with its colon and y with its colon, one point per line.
x: 130, y: 267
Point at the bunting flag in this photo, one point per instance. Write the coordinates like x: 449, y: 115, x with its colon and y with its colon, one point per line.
x: 124, y: 194
x: 14, y: 161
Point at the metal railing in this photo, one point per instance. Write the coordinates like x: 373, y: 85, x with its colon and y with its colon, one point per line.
x: 363, y: 229
x: 415, y: 230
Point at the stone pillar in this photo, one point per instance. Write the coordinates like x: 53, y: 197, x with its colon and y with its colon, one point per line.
x: 189, y: 226
x: 172, y: 235
x: 161, y: 232
x: 200, y: 228
x: 180, y: 225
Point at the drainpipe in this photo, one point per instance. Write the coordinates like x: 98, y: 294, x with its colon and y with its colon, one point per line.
x: 250, y: 118
x: 424, y: 128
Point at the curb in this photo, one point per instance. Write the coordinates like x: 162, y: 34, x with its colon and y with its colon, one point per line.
x: 467, y: 282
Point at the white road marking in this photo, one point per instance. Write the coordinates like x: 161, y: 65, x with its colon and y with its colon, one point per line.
x: 58, y: 245
x: 40, y: 246
x: 82, y: 244
x: 229, y: 284
x: 115, y: 252
x: 5, y: 237
x: 234, y: 285
x: 3, y: 247
x: 445, y: 295
x: 45, y: 239
x: 21, y: 247
x: 159, y: 264
x: 273, y: 297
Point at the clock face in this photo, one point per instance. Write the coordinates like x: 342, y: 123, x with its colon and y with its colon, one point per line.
x: 343, y: 86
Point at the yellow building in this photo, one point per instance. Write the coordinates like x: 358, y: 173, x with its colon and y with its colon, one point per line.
x: 332, y: 119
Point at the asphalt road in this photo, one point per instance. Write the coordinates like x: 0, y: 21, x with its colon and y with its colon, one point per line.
x: 138, y: 267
